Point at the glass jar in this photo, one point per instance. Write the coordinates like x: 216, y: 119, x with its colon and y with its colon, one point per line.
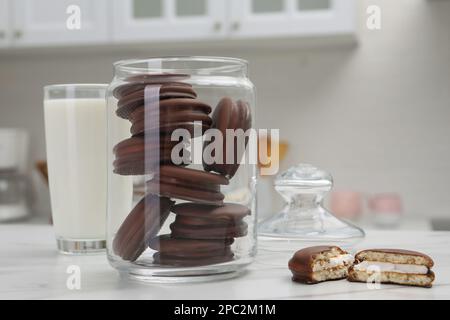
x: 181, y: 168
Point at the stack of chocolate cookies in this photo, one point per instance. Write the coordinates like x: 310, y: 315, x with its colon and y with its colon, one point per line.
x: 155, y: 105
x: 213, y: 227
x: 205, y: 227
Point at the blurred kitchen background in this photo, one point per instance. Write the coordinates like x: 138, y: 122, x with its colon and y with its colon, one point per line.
x: 370, y: 105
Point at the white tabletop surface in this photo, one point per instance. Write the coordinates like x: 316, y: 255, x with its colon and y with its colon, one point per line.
x: 31, y: 268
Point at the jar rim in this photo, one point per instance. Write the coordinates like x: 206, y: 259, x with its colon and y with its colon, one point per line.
x: 224, y: 64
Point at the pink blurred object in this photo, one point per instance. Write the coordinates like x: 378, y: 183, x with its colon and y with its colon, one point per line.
x: 386, y: 208
x: 346, y: 204
x: 386, y: 203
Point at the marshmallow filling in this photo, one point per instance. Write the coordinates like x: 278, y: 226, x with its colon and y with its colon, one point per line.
x: 375, y: 266
x: 342, y: 260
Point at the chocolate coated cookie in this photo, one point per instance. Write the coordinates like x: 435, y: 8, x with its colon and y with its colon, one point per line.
x: 163, y: 77
x: 229, y: 115
x: 187, y: 231
x: 162, y: 259
x: 139, y: 155
x: 188, y: 184
x: 166, y: 244
x: 186, y: 252
x: 131, y: 87
x: 225, y: 212
x: 152, y: 96
x: 141, y: 225
x: 205, y: 222
x: 168, y: 119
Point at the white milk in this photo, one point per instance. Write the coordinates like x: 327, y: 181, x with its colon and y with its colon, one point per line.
x: 75, y: 132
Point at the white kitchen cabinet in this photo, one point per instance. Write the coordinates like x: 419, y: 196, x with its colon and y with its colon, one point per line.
x: 46, y: 23
x: 4, y: 23
x: 279, y: 18
x: 50, y: 22
x: 147, y: 20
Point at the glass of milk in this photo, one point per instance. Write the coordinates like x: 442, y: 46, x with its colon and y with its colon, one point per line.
x: 75, y: 133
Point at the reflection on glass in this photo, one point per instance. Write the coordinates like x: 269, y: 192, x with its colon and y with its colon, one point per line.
x: 310, y: 5
x: 267, y: 6
x: 190, y: 8
x: 147, y: 9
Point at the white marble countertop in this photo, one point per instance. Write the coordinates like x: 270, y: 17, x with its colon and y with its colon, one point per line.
x: 31, y: 268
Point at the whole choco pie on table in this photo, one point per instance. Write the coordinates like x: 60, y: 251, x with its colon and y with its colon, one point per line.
x: 205, y: 228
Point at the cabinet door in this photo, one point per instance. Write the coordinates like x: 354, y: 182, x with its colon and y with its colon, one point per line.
x: 265, y: 18
x: 142, y: 20
x: 4, y: 23
x: 47, y: 22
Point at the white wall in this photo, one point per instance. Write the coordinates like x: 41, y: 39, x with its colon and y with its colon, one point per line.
x: 376, y: 115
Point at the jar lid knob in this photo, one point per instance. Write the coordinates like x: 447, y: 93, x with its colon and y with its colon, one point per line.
x: 306, y: 176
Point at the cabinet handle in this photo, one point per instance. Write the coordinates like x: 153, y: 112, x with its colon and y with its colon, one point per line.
x: 217, y: 26
x: 18, y: 34
x: 235, y: 26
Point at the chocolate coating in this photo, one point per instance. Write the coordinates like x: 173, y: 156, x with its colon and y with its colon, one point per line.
x: 164, y: 117
x: 188, y: 184
x: 206, y: 222
x: 190, y: 262
x: 168, y: 121
x: 200, y: 221
x: 136, y: 92
x: 131, y: 87
x: 141, y: 224
x: 168, y: 245
x: 186, y: 231
x: 139, y: 155
x: 226, y: 212
x: 411, y: 255
x: 126, y: 106
x: 166, y: 127
x: 429, y: 261
x: 302, y: 262
x: 163, y: 77
x: 229, y: 115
